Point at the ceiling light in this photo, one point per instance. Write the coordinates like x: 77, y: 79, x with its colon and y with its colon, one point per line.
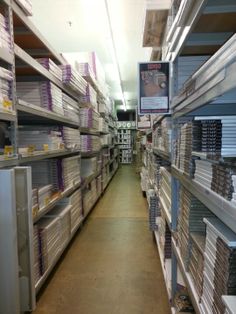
x: 115, y: 54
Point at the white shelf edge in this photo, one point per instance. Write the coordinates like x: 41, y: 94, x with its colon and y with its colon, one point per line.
x: 44, y: 113
x: 54, y: 201
x: 223, y: 209
x: 44, y: 155
x: 188, y: 280
x: 161, y: 256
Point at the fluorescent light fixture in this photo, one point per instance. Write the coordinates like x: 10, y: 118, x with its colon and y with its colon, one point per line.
x: 115, y: 54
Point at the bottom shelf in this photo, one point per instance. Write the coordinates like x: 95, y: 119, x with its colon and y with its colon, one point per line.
x: 188, y: 279
x: 42, y: 280
x: 166, y: 266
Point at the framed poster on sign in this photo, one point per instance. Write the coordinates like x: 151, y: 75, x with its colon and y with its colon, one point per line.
x: 154, y: 87
x: 143, y: 122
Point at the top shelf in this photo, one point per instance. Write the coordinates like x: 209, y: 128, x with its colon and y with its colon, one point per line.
x: 200, y: 27
x: 209, y: 83
x: 29, y: 38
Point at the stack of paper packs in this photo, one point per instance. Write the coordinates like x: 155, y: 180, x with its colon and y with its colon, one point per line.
x: 64, y: 214
x: 89, y: 119
x: 6, y: 79
x: 50, y: 246
x: 5, y: 41
x: 88, y: 166
x: 68, y: 172
x: 203, y: 173
x: 219, y: 266
x: 71, y: 138
x: 43, y: 94
x: 90, y: 143
x: 153, y: 209
x: 89, y: 197
x: 164, y: 236
x: 162, y: 135
x: 196, y: 262
x: 39, y: 138
x: 222, y: 182
x: 51, y: 67
x: 191, y: 214
x: 73, y: 79
x: 90, y: 98
x: 37, y: 261
x: 99, y: 185
x: 71, y: 108
x: 165, y: 187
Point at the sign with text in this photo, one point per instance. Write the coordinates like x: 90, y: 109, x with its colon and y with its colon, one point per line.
x: 154, y: 87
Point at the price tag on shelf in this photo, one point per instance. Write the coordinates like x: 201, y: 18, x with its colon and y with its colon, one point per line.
x: 45, y: 147
x: 46, y: 201
x: 7, y: 105
x: 8, y: 151
x: 31, y: 149
x: 62, y: 146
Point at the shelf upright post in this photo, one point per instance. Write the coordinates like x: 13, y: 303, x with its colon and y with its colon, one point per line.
x: 14, y: 125
x: 25, y: 238
x: 174, y: 185
x: 9, y: 269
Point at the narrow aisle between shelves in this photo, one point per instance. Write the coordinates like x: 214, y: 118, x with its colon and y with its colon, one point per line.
x: 113, y: 265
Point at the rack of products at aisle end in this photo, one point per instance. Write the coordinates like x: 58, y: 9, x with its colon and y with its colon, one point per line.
x: 126, y: 135
x: 58, y: 127
x: 195, y: 159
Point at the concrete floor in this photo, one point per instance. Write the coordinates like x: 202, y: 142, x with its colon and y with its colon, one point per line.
x: 112, y: 266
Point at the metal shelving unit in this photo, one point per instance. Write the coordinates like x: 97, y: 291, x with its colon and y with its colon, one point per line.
x: 28, y: 111
x: 202, y: 84
x: 21, y: 61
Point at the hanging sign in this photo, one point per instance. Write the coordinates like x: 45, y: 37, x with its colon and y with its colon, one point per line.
x: 154, y: 87
x: 143, y: 121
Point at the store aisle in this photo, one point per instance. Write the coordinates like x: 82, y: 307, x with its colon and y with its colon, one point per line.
x: 112, y: 266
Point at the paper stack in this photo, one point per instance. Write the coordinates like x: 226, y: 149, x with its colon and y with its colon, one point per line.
x: 86, y: 71
x: 88, y: 166
x: 71, y: 108
x: 203, y: 173
x: 90, y: 143
x: 68, y: 172
x: 71, y: 138
x: 90, y: 98
x: 222, y: 180
x: 189, y: 140
x: 165, y: 187
x: 89, y: 119
x: 154, y: 210
x: 43, y: 94
x: 5, y: 41
x: 51, y: 67
x: 162, y: 135
x: 73, y: 79
x: 37, y: 263
x: 89, y: 197
x: 190, y: 219
x: 99, y: 185
x: 196, y: 262
x: 39, y: 138
x: 103, y: 126
x: 164, y: 236
x: 63, y: 213
x: 6, y: 79
x: 75, y: 202
x: 26, y: 6
x: 49, y: 235
x: 219, y: 266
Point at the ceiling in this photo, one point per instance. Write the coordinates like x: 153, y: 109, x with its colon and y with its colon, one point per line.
x: 82, y: 25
